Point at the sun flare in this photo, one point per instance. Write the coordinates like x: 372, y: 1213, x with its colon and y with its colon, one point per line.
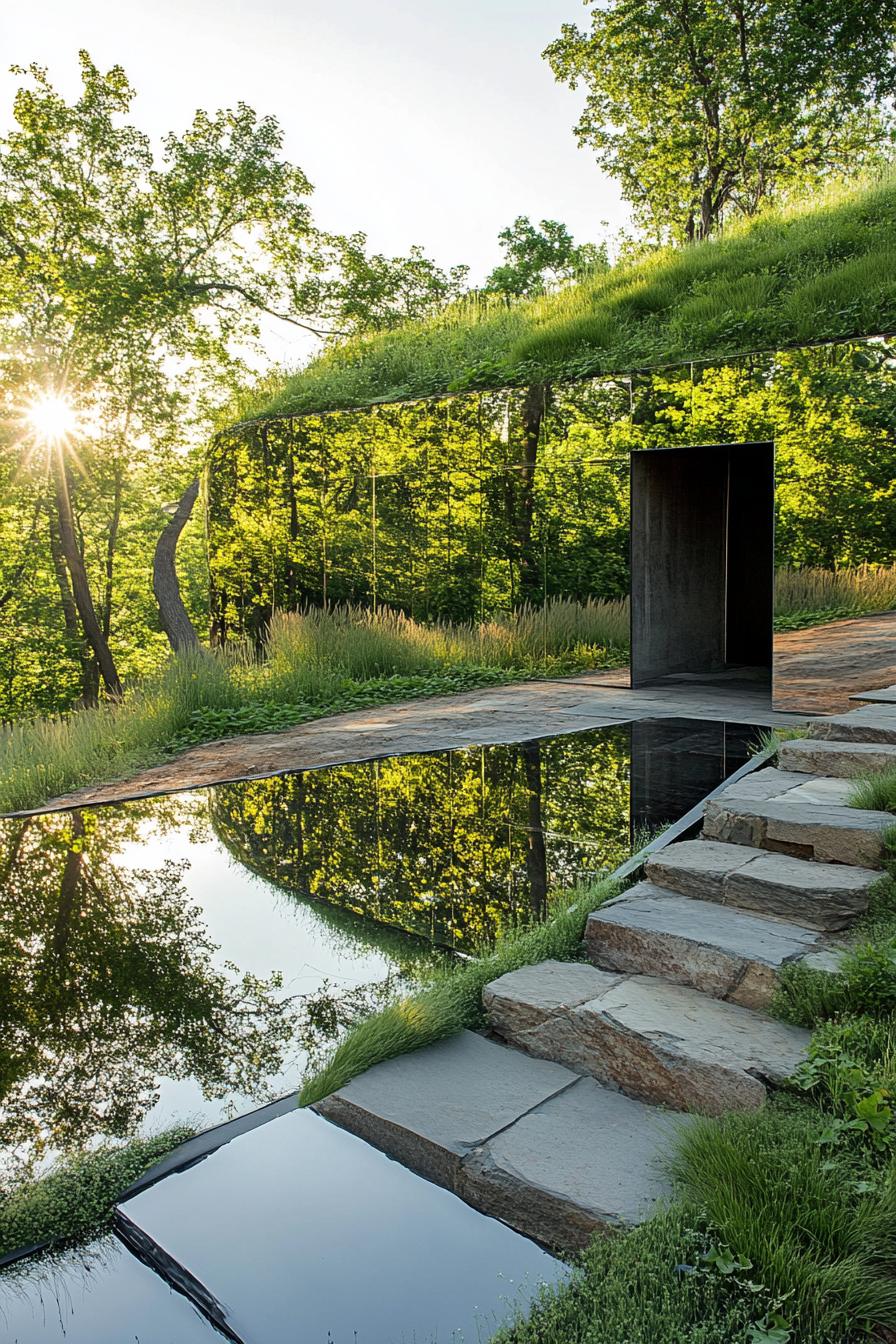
x: 51, y: 417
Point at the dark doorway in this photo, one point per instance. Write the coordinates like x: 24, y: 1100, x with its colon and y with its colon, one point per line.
x: 702, y: 551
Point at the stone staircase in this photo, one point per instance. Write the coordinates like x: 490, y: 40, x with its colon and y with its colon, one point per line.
x: 559, y: 1122
x: 672, y: 1010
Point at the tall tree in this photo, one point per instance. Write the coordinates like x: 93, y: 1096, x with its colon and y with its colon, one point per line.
x: 129, y: 285
x: 704, y: 108
x: 541, y: 258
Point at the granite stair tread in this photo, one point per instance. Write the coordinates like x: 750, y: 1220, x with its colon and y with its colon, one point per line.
x: 805, y: 817
x: 834, y: 757
x: 553, y: 1154
x: 722, y: 950
x: 871, y: 723
x: 808, y: 893
x: 659, y: 1042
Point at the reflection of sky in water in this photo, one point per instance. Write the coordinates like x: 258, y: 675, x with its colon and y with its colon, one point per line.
x: 261, y: 931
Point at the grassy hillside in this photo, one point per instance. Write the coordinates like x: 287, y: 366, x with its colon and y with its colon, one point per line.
x: 795, y: 277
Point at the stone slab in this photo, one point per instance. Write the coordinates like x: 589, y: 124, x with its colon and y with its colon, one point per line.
x: 873, y: 723
x: 843, y: 760
x: 826, y: 792
x: 885, y: 696
x: 801, y: 827
x: 658, y: 1042
x: 817, y: 895
x: 588, y: 1160
x: 719, y: 949
x: 696, y: 868
x: 770, y: 782
x: 432, y: 1107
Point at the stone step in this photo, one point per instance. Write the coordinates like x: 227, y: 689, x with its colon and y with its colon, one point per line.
x: 553, y: 1154
x: 834, y: 758
x: 658, y: 1042
x: 719, y: 949
x: 813, y: 895
x: 872, y: 723
x: 809, y: 819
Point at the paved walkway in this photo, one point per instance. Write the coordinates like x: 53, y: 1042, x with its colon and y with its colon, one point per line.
x: 501, y: 714
x: 817, y: 670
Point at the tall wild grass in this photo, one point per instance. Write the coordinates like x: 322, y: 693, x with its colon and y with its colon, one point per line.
x: 864, y: 588
x: 314, y: 662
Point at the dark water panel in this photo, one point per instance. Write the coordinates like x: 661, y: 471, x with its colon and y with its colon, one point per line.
x: 308, y: 1234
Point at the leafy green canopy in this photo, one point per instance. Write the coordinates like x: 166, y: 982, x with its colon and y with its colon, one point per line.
x: 704, y: 109
x: 793, y: 277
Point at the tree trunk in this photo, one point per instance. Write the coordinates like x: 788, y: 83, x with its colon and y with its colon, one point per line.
x: 74, y: 636
x: 74, y: 561
x: 536, y: 854
x: 165, y: 584
x: 111, y: 542
x: 521, y: 489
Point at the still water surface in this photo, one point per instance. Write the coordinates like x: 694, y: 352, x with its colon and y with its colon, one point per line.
x: 188, y: 957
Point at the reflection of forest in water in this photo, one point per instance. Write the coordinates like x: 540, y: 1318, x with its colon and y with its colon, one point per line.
x: 145, y: 970
x: 112, y: 983
x: 452, y: 846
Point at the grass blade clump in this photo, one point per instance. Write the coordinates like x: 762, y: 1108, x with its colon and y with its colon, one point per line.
x: 315, y: 662
x: 817, y: 1236
x: 652, y: 1285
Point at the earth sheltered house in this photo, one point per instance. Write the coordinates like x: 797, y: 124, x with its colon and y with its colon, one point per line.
x: 703, y: 432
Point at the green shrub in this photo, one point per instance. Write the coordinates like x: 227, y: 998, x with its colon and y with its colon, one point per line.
x: 818, y: 1233
x: 75, y: 1199
x: 865, y: 981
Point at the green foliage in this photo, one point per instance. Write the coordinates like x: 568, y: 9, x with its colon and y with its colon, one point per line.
x: 75, y: 1200
x: 120, y: 984
x: 800, y: 263
x: 349, y: 837
x: 705, y: 111
x: 875, y: 792
x: 865, y: 982
x: 668, y: 1280
x: 454, y: 1000
x: 540, y: 259
x: 814, y: 1220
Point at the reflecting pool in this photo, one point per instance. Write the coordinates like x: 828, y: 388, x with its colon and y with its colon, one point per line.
x: 186, y: 957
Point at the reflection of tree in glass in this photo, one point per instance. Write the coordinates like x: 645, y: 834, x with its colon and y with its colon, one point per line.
x: 452, y: 847
x: 108, y: 983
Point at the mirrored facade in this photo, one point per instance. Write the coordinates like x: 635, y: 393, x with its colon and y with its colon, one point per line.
x: 474, y: 506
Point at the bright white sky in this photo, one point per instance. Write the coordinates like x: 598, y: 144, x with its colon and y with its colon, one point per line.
x: 418, y: 121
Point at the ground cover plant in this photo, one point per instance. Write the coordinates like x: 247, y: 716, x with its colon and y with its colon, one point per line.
x: 313, y: 664
x: 791, y: 277
x: 75, y: 1199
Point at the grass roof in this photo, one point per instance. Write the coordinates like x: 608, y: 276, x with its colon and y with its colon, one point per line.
x: 795, y: 277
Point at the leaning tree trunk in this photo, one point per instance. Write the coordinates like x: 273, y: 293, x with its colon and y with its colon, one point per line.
x: 74, y: 561
x: 165, y: 584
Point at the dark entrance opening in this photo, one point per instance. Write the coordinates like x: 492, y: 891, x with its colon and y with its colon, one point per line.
x: 702, y: 553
